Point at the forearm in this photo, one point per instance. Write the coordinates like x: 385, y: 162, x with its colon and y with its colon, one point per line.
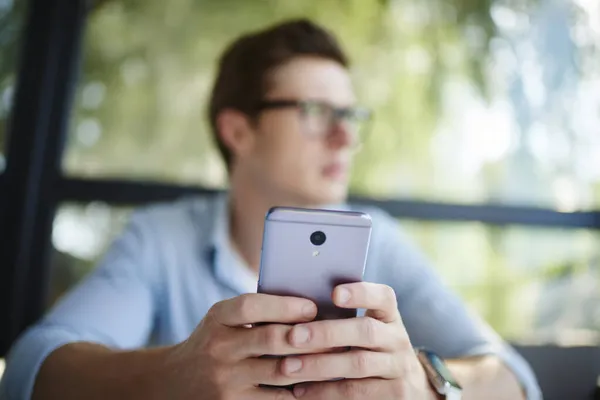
x: 485, y: 378
x: 91, y: 371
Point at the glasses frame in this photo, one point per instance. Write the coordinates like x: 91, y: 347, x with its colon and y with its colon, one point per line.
x: 338, y: 113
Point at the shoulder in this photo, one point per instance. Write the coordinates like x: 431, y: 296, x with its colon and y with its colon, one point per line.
x: 179, y: 209
x: 394, y: 258
x: 177, y: 225
x: 386, y: 228
x: 388, y: 236
x: 165, y: 234
x: 183, y: 214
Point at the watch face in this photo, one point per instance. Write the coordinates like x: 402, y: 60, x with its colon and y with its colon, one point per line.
x: 439, y: 368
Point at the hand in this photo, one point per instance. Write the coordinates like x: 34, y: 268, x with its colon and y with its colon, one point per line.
x: 220, y: 360
x: 382, y: 363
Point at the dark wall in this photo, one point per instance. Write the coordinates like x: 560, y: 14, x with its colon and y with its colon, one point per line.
x: 564, y: 373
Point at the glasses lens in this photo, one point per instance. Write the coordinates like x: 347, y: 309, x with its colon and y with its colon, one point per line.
x: 357, y: 121
x: 316, y: 117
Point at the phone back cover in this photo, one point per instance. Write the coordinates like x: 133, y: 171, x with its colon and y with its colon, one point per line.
x: 292, y: 266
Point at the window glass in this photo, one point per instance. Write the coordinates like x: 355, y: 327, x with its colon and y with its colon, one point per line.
x: 12, y: 13
x: 530, y: 284
x: 474, y: 101
x: 81, y: 234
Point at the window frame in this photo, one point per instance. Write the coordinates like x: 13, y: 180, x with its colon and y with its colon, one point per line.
x: 33, y: 184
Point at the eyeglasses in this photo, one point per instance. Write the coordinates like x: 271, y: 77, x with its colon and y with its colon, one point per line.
x: 318, y: 117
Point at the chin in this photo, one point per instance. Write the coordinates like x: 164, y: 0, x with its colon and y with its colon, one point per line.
x: 316, y: 192
x: 328, y: 196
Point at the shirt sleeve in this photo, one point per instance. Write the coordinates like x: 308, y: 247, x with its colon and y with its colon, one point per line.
x: 113, y: 306
x: 435, y: 317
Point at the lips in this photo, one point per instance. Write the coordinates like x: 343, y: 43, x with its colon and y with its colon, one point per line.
x: 336, y: 170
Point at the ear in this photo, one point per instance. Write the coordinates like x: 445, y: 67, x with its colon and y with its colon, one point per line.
x: 235, y: 131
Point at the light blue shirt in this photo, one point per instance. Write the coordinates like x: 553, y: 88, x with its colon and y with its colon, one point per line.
x: 174, y: 261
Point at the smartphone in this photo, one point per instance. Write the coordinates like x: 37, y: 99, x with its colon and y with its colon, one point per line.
x: 307, y: 253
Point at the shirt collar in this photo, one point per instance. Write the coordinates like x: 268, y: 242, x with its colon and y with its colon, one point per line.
x: 228, y: 266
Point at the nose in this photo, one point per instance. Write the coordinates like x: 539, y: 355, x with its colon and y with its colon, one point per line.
x: 341, y: 134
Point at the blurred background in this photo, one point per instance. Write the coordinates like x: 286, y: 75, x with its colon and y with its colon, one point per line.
x: 476, y: 102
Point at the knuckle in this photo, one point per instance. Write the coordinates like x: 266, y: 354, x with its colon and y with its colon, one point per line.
x: 401, y: 391
x: 274, y: 370
x: 317, y: 365
x: 403, y: 368
x: 213, y: 346
x: 270, y: 338
x: 229, y: 395
x: 247, y: 307
x: 352, y: 389
x: 404, y: 344
x: 321, y: 334
x: 369, y: 329
x: 394, y: 367
x: 348, y: 388
x: 221, y: 376
x: 399, y: 341
x: 282, y: 394
x: 214, y: 312
x: 361, y: 362
x: 389, y: 294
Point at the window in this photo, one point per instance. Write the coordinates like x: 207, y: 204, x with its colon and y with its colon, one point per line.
x: 471, y: 105
x: 81, y: 234
x: 533, y: 285
x: 475, y: 102
x: 12, y: 13
x: 516, y: 278
x: 525, y: 131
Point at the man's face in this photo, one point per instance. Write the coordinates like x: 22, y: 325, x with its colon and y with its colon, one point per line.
x: 292, y: 156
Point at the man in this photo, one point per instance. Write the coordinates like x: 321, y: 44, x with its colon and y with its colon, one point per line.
x: 181, y: 277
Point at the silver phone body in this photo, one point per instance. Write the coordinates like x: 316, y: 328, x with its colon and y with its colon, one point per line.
x: 292, y: 265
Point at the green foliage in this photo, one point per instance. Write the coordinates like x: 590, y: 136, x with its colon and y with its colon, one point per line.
x: 148, y: 66
x: 156, y: 61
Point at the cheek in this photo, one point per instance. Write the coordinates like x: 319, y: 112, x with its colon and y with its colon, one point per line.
x: 285, y: 149
x: 295, y: 158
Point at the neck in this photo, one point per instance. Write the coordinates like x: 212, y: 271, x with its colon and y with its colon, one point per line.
x: 248, y: 205
x: 246, y: 226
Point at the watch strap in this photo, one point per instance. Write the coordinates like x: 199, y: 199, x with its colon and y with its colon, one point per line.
x: 440, y: 378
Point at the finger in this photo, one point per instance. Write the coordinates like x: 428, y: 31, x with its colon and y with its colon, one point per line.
x: 364, y: 332
x: 263, y: 371
x: 352, y: 364
x: 256, y: 308
x: 347, y: 389
x: 271, y: 340
x: 379, y: 300
x: 270, y: 394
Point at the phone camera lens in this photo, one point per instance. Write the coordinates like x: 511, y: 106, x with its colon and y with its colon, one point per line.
x: 318, y: 238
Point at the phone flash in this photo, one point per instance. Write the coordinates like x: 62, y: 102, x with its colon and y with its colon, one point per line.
x: 315, y: 253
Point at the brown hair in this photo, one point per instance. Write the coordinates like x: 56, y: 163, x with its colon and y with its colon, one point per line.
x: 245, y: 65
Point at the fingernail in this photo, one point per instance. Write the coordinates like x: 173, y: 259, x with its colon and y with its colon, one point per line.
x: 293, y: 364
x: 300, y: 335
x: 343, y: 295
x: 299, y: 391
x: 309, y: 310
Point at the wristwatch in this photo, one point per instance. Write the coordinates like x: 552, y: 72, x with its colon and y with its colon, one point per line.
x: 439, y: 376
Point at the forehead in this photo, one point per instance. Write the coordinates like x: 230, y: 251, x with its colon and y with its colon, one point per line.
x: 304, y: 78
